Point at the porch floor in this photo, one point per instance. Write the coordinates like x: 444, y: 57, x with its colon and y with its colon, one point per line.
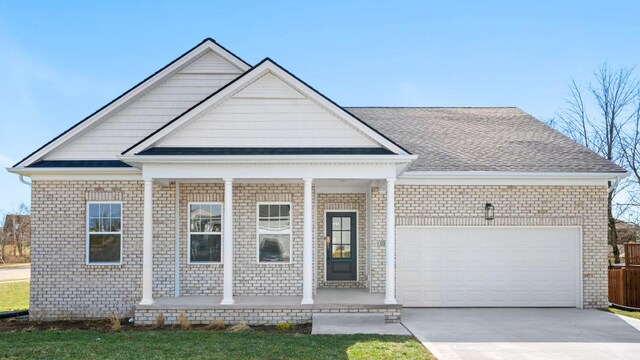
x: 324, y: 298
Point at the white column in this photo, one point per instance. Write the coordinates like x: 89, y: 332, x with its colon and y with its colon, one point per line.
x: 147, y: 245
x: 227, y: 236
x: 390, y: 286
x: 307, y: 249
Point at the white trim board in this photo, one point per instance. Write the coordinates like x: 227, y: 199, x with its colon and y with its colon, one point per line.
x: 504, y: 178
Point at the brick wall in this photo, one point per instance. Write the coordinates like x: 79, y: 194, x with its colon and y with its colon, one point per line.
x: 62, y: 286
x: 514, y: 206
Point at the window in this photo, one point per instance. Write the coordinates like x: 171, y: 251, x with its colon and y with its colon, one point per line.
x: 274, y: 232
x: 205, y: 232
x: 104, y: 233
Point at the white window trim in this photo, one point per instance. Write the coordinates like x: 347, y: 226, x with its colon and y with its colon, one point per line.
x: 88, y: 233
x: 212, y: 233
x: 288, y: 232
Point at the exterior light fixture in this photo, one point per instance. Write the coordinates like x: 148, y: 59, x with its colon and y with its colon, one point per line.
x: 488, y: 211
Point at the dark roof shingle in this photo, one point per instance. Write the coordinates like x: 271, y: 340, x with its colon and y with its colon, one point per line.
x: 481, y: 139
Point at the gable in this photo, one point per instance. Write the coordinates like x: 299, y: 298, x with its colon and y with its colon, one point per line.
x: 266, y: 107
x: 146, y: 106
x: 158, y: 106
x: 267, y: 113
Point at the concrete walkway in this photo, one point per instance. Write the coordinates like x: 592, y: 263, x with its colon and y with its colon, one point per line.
x: 15, y: 273
x: 341, y: 324
x: 524, y: 333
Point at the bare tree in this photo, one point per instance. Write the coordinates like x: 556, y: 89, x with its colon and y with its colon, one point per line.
x: 16, y: 231
x: 600, y: 130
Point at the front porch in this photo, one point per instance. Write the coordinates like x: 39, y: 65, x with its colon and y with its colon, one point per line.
x: 266, y: 310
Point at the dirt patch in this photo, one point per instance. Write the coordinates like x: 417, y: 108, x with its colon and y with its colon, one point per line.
x: 105, y: 326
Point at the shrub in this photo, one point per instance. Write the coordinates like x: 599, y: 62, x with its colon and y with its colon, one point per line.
x: 215, y: 325
x: 285, y: 326
x: 160, y: 321
x: 183, y: 322
x: 115, y: 323
x: 241, y: 327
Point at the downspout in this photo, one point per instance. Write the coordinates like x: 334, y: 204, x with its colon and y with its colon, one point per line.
x: 22, y: 180
x: 614, y: 185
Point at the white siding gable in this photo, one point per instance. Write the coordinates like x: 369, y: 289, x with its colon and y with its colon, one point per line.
x: 267, y: 113
x: 114, y: 134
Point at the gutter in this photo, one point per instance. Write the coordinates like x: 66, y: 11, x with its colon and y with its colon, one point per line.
x: 614, y: 185
x: 22, y: 180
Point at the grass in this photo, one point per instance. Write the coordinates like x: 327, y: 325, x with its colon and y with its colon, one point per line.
x: 14, y: 295
x: 72, y: 344
x: 631, y: 314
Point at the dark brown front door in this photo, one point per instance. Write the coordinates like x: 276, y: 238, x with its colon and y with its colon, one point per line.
x: 341, y: 246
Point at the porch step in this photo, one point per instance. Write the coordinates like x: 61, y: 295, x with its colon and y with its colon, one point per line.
x: 341, y: 323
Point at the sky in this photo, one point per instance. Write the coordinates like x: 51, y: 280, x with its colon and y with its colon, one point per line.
x: 60, y: 61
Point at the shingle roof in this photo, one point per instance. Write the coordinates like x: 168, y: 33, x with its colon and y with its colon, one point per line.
x: 481, y: 139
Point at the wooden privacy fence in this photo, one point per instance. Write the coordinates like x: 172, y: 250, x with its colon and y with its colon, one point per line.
x: 624, y: 283
x: 632, y: 254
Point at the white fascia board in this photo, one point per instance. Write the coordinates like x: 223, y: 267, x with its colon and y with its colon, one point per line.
x: 134, y: 93
x: 136, y: 160
x: 268, y: 171
x: 79, y: 173
x: 256, y: 73
x: 504, y: 178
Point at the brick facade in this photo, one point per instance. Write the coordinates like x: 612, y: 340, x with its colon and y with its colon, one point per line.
x: 514, y: 206
x: 63, y: 286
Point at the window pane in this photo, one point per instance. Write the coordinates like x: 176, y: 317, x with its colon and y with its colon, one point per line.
x: 94, y: 224
x: 346, y: 223
x: 105, y: 224
x: 115, y: 224
x: 284, y: 224
x: 336, y: 237
x: 275, y: 248
x: 346, y: 251
x: 284, y: 210
x: 336, y: 253
x: 205, y: 248
x: 263, y: 211
x: 94, y: 210
x: 205, y: 218
x: 274, y: 211
x: 104, y: 248
x: 115, y: 210
x: 104, y: 210
x: 335, y: 223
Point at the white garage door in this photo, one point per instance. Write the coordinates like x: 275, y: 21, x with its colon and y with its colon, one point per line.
x: 488, y: 266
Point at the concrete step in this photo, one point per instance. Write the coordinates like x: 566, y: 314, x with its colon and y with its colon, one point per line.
x: 335, y: 323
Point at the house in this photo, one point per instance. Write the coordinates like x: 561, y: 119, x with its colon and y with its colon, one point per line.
x: 229, y: 191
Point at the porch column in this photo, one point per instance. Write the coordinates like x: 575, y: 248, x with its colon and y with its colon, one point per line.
x: 307, y: 249
x: 147, y: 245
x: 390, y: 285
x: 227, y: 246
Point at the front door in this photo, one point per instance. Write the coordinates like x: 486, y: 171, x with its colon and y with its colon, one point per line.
x: 341, y: 246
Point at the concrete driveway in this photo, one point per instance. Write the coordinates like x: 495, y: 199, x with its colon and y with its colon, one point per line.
x: 15, y: 273
x: 524, y: 333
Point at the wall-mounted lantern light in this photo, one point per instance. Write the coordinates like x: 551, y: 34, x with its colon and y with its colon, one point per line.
x: 488, y: 211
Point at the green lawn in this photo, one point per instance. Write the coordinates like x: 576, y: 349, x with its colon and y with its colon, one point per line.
x: 632, y: 314
x: 14, y: 295
x: 72, y: 344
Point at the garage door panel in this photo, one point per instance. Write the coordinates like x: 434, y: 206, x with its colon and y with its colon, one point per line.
x: 488, y: 266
